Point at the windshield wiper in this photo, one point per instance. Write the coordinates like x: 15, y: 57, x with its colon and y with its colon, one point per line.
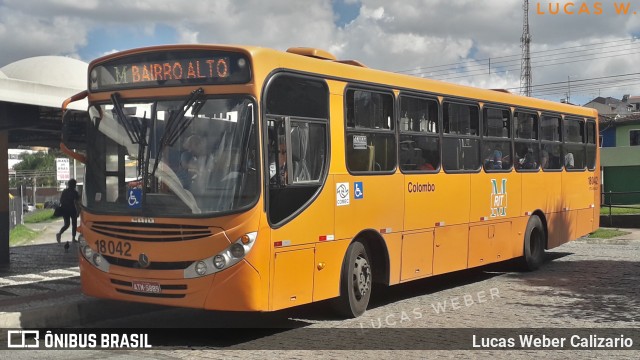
x: 178, y: 123
x: 135, y: 128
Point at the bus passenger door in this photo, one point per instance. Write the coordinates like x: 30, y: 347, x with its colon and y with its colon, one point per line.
x: 300, y: 209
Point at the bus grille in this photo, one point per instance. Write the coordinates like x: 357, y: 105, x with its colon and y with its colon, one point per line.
x: 151, y: 232
x: 154, y: 265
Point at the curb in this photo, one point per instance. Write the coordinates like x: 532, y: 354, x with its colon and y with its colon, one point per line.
x: 77, y: 310
x: 611, y: 241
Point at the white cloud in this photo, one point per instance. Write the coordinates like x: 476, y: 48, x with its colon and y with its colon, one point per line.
x: 187, y: 36
x: 399, y: 35
x: 23, y: 35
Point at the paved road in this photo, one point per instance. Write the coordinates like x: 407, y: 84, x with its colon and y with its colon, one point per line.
x: 588, y: 283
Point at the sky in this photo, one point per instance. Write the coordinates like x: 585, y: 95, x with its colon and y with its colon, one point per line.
x: 578, y: 48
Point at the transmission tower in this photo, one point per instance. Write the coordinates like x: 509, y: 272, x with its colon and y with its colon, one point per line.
x: 525, y: 42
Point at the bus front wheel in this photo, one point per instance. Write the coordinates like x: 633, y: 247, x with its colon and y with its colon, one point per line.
x: 355, y: 281
x: 533, y: 245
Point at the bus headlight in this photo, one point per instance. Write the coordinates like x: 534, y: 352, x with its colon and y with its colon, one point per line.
x: 228, y: 257
x: 88, y: 252
x: 201, y: 268
x: 91, y: 256
x: 219, y: 261
x: 237, y: 250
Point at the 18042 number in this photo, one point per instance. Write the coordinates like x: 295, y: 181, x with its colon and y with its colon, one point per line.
x: 113, y: 247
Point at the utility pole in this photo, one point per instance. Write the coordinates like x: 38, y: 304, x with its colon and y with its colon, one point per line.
x: 21, y: 203
x: 525, y: 42
x: 35, y: 186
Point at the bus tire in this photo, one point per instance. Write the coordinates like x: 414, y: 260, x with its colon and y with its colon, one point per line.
x: 534, y: 240
x: 356, y: 282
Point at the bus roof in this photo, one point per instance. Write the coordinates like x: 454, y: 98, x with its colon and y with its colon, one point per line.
x: 315, y: 61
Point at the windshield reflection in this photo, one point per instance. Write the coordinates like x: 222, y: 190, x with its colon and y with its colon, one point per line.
x: 172, y: 157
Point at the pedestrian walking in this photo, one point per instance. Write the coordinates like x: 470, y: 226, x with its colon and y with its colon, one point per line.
x: 69, y: 209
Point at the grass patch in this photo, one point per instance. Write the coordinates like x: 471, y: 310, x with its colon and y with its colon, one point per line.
x: 604, y: 210
x: 21, y: 234
x: 39, y: 216
x: 606, y: 233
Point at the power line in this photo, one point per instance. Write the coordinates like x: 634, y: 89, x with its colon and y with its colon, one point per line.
x: 536, y: 65
x: 533, y: 53
x: 581, y: 80
x: 469, y: 68
x: 591, y: 86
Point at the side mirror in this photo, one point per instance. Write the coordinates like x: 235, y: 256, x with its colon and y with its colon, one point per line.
x: 74, y: 128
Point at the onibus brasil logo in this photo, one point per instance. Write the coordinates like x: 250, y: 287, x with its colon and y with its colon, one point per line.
x: 498, y: 198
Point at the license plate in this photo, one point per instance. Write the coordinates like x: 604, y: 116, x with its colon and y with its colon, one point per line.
x: 145, y: 286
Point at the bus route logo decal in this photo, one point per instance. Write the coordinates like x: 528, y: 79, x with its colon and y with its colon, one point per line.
x: 342, y: 194
x: 498, y: 198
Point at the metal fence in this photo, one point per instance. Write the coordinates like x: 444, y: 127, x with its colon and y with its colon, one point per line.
x: 608, y: 200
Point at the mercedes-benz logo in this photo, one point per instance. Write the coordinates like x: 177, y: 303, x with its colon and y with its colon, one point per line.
x: 143, y: 260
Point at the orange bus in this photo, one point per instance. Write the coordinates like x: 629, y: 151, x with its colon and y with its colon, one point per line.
x: 245, y: 178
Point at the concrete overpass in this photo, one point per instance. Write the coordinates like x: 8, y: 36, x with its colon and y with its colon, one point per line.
x: 31, y: 93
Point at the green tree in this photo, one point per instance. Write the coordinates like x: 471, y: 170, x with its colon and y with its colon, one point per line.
x: 40, y: 165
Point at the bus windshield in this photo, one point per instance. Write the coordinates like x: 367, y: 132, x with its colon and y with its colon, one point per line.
x: 171, y: 157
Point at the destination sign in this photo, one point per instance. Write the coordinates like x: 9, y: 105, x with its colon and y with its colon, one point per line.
x: 170, y: 69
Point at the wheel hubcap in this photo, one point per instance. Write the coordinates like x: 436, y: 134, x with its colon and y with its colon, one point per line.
x: 361, y: 277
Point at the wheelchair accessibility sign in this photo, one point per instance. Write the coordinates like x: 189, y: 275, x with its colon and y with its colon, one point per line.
x: 358, y: 190
x: 134, y: 198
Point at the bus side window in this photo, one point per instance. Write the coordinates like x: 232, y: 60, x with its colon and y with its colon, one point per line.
x: 496, y: 141
x: 371, y: 141
x: 592, y: 135
x: 527, y: 145
x: 574, y: 145
x: 419, y: 141
x: 461, y: 141
x: 297, y: 143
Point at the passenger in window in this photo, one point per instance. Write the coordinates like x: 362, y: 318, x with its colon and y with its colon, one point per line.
x: 494, y: 161
x: 278, y: 170
x: 425, y: 166
x: 430, y: 161
x: 569, y: 161
x: 199, y: 163
x: 528, y: 161
x: 282, y: 161
x: 185, y: 173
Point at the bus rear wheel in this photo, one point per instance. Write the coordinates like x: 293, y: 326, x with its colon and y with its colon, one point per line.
x: 356, y: 281
x: 534, y: 240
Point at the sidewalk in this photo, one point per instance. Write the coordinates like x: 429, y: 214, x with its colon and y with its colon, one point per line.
x: 41, y: 286
x: 632, y: 236
x: 47, y: 232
